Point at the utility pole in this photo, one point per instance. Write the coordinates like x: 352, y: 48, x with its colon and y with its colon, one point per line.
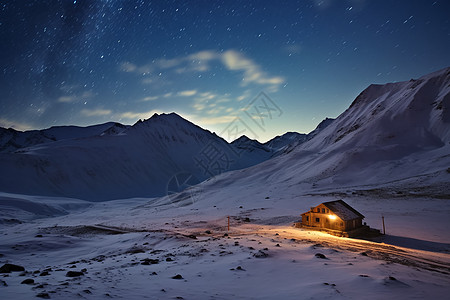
x: 384, y: 228
x: 228, y: 223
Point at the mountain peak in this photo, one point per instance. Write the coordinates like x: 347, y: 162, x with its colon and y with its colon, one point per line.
x: 242, y: 138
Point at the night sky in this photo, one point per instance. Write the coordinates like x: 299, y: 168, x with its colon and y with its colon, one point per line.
x: 92, y: 61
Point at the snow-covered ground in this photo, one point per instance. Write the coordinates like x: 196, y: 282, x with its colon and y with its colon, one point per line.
x: 133, y: 248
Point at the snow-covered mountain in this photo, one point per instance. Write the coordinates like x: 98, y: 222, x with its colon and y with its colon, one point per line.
x: 108, y: 161
x: 155, y: 157
x: 389, y: 133
x: 161, y: 155
x: 288, y: 141
x: 397, y: 134
x: 12, y: 140
x: 279, y: 143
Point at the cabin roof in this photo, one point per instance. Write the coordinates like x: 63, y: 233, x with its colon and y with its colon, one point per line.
x: 343, y: 210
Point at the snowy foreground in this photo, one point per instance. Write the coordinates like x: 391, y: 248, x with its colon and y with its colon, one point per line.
x: 157, y: 249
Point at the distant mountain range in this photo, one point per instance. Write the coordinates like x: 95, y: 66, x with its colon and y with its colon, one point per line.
x: 396, y: 132
x: 152, y: 158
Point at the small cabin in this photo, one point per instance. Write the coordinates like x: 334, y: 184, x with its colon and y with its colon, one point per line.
x: 336, y: 217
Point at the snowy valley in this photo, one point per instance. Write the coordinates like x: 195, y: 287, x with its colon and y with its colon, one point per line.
x: 92, y: 213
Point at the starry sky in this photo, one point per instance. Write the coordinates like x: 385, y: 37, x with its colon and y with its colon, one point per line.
x: 86, y: 62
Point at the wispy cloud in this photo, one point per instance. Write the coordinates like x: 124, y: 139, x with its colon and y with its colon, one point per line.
x: 214, y: 120
x: 187, y: 93
x: 150, y: 98
x: 75, y: 96
x: 133, y: 116
x: 209, y: 103
x: 235, y: 61
x: 245, y: 95
x: 128, y: 67
x: 6, y: 123
x: 95, y: 112
x: 232, y: 60
x: 67, y: 99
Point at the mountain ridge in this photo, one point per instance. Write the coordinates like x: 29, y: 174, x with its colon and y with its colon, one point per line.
x: 390, y: 132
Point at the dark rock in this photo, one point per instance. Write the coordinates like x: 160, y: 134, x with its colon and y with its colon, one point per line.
x: 136, y: 250
x: 84, y: 270
x: 154, y: 273
x: 38, y: 235
x: 149, y: 261
x: 74, y: 274
x: 260, y: 254
x: 178, y: 276
x: 41, y: 286
x: 208, y: 231
x: 43, y: 295
x: 392, y: 278
x: 363, y: 253
x: 3, y: 283
x: 28, y: 281
x: 87, y: 291
x: 277, y: 245
x: 169, y: 259
x: 246, y: 220
x: 225, y: 235
x: 240, y: 268
x: 363, y: 275
x: 44, y: 273
x: 191, y: 236
x: 320, y: 255
x: 8, y: 268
